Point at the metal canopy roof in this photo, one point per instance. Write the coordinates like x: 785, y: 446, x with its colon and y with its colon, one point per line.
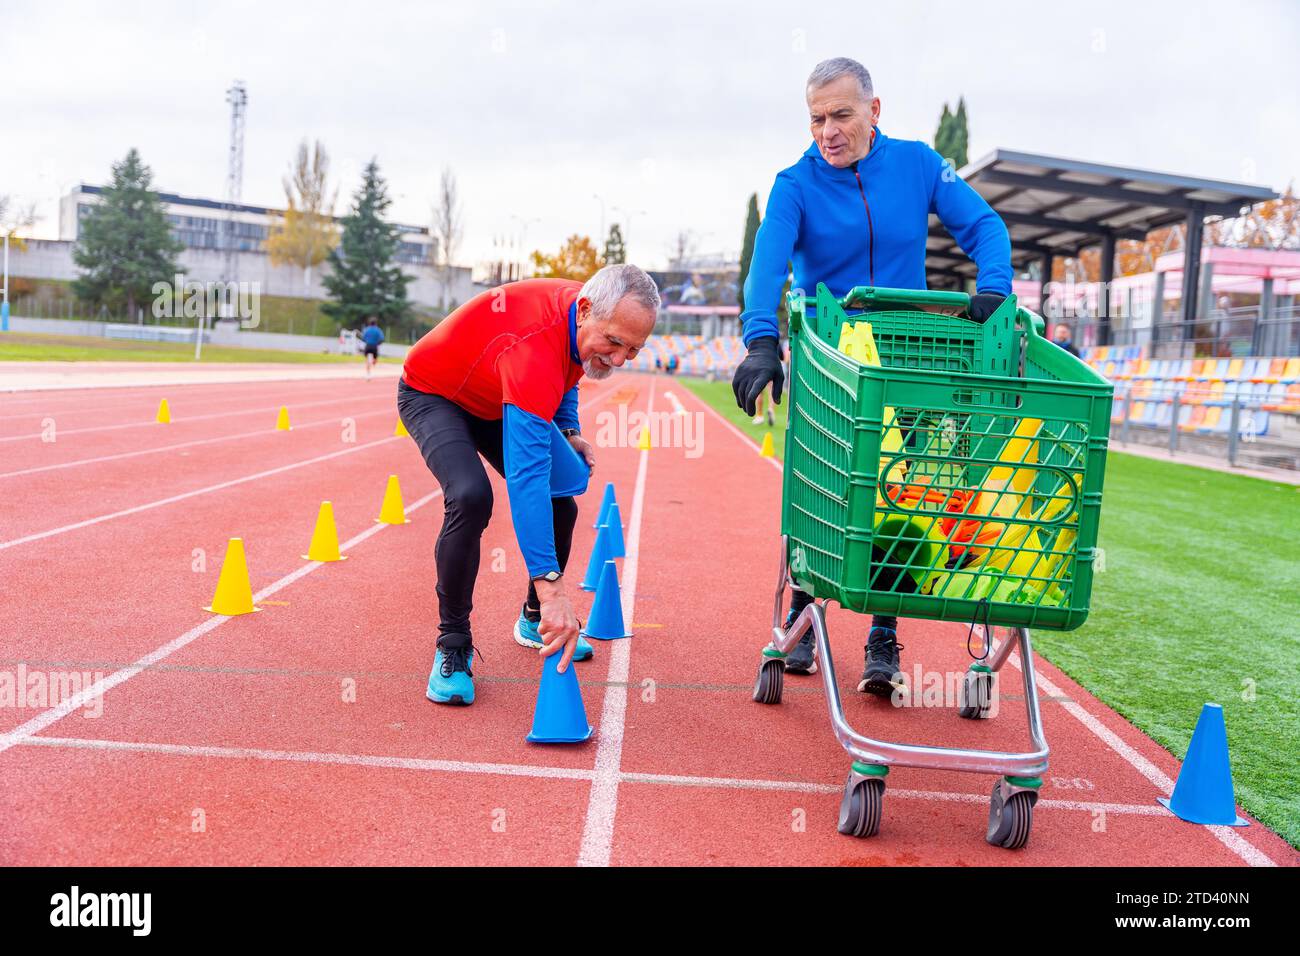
x: 1058, y: 206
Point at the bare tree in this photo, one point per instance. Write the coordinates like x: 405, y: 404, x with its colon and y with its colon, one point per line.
x: 448, y: 226
x: 682, y: 251
x: 306, y: 233
x: 14, y: 217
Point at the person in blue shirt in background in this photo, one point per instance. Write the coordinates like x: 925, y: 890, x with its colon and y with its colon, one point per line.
x: 372, y: 335
x: 1062, y: 337
x: 854, y: 210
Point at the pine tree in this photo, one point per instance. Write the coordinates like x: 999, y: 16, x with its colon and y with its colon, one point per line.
x: 124, y: 244
x: 952, y: 136
x: 747, y: 248
x: 943, y: 135
x: 615, y: 250
x: 363, y: 280
x: 960, y: 136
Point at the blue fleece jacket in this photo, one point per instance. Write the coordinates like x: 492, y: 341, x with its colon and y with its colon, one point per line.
x: 817, y: 219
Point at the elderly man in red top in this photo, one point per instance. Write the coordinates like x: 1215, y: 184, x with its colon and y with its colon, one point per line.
x: 489, y: 380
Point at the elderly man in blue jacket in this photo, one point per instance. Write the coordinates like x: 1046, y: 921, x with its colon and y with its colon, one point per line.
x: 854, y: 210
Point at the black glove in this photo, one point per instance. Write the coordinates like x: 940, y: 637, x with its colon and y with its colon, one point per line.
x: 984, y: 304
x: 761, y: 365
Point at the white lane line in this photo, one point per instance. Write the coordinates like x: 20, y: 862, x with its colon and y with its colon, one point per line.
x: 184, y: 444
x: 198, y: 418
x: 207, y: 441
x: 300, y: 756
x: 285, y: 379
x: 602, y: 804
x: 38, y: 723
x: 189, y: 494
x: 43, y: 400
x: 1228, y: 836
x: 537, y: 770
x: 796, y: 786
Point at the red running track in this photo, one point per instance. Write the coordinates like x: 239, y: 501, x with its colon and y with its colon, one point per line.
x: 300, y: 735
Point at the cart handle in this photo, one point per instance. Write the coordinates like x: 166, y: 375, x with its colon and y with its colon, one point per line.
x: 870, y: 295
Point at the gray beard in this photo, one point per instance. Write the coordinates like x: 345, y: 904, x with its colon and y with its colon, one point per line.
x: 596, y: 370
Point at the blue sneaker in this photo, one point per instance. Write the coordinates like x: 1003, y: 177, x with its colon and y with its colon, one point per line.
x: 526, y: 635
x: 451, y: 681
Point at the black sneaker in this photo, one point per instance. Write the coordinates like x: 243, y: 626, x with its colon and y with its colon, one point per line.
x: 882, y: 674
x: 801, y: 659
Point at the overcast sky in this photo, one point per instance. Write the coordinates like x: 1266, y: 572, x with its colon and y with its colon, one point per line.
x: 672, y: 112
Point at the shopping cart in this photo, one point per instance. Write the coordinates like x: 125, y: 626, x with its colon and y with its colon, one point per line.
x: 959, y: 479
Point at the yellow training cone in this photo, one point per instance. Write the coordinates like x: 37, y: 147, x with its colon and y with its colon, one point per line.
x: 282, y: 420
x: 234, y: 594
x: 164, y: 413
x: 643, y: 444
x: 767, y: 451
x: 325, y: 539
x: 400, y: 431
x: 392, y: 510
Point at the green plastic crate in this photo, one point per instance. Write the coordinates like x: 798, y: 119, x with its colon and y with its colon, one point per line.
x: 985, y: 507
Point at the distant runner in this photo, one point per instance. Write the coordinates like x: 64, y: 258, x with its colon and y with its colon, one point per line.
x: 372, y: 335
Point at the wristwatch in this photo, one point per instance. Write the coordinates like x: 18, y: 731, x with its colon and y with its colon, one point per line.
x: 569, y: 432
x: 551, y: 576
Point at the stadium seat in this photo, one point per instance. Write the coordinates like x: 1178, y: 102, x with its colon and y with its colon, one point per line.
x: 1193, y: 419
x: 1214, y: 420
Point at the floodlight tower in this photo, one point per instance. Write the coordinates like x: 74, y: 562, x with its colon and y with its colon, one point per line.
x: 237, y: 97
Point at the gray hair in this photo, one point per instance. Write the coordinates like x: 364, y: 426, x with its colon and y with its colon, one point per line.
x: 608, y: 287
x: 828, y: 71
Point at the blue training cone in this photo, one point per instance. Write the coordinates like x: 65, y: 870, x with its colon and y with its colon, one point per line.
x: 606, y: 621
x: 601, y: 552
x: 569, y: 473
x: 605, y: 502
x: 615, y: 522
x: 1203, y: 793
x: 559, y: 717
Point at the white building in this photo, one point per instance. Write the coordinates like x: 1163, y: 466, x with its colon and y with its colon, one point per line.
x: 200, y: 225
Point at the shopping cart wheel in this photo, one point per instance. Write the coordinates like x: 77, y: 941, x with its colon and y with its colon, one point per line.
x: 862, y: 805
x: 771, y: 681
x: 1010, y: 817
x: 975, y: 699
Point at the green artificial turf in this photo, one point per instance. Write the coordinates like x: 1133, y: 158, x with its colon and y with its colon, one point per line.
x: 720, y: 396
x: 1199, y: 602
x: 1196, y: 600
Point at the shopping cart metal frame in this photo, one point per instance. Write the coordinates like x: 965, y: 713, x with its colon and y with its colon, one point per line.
x: 989, y: 362
x: 1014, y: 794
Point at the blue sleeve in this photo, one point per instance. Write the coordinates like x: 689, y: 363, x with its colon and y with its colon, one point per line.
x: 770, y: 266
x: 527, y: 453
x: 566, y: 416
x: 977, y: 228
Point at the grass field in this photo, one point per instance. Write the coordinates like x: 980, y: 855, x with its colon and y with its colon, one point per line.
x: 720, y: 396
x: 34, y: 347
x: 1199, y: 601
